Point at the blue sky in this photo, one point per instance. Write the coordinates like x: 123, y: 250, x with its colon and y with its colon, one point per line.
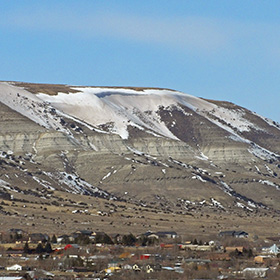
x: 224, y: 50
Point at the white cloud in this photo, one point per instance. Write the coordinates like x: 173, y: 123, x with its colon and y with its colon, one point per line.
x: 201, y: 35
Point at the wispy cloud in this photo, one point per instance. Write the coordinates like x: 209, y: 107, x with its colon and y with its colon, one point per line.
x: 191, y: 34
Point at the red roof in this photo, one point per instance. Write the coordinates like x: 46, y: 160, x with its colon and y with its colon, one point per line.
x: 68, y: 246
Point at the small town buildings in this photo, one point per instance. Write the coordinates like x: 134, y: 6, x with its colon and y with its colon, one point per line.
x: 160, y: 234
x: 196, y: 247
x: 233, y: 233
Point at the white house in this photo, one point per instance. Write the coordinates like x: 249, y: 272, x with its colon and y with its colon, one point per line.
x: 260, y: 272
x: 14, y: 267
x: 271, y: 250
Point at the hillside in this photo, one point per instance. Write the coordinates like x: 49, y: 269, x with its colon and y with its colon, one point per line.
x: 157, y: 149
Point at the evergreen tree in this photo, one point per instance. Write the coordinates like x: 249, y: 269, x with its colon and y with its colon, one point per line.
x: 26, y: 249
x: 107, y: 239
x: 129, y: 240
x: 48, y: 247
x: 54, y: 239
x: 39, y: 248
x: 250, y: 253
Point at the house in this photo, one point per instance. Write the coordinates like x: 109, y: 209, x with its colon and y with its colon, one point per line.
x: 126, y: 255
x: 153, y: 235
x: 71, y: 246
x: 220, y: 257
x: 240, y: 234
x: 195, y: 247
x: 38, y: 237
x: 229, y: 233
x: 136, y: 268
x: 16, y: 231
x: 166, y: 246
x: 84, y: 232
x: 112, y: 269
x: 145, y: 256
x: 234, y: 249
x: 15, y: 267
x: 167, y: 234
x: 254, y: 272
x: 149, y: 269
x: 127, y: 267
x: 40, y: 274
x: 159, y: 234
x: 64, y: 239
x: 261, y: 259
x: 233, y: 233
x: 146, y: 234
x: 274, y: 250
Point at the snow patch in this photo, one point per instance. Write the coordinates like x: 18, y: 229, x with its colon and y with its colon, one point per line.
x: 107, y: 176
x: 217, y: 203
x: 269, y: 183
x: 199, y: 178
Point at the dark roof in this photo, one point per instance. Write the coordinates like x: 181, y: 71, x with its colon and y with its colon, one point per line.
x: 100, y: 233
x: 147, y: 233
x: 166, y: 233
x: 39, y: 236
x: 16, y: 230
x: 232, y: 233
x: 63, y: 236
x: 84, y: 232
x: 227, y: 233
x: 240, y: 233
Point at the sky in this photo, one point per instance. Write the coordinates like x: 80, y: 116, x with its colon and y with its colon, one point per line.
x: 216, y: 49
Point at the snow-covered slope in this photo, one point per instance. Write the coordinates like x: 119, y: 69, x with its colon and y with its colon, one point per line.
x: 115, y: 109
x: 123, y: 107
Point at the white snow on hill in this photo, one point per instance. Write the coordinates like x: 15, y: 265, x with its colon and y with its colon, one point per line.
x: 30, y: 106
x: 118, y: 108
x: 123, y: 107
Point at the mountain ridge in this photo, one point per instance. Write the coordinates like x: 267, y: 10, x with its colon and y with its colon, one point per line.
x: 160, y: 148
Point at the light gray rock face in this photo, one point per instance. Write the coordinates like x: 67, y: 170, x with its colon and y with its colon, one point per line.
x: 178, y: 152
